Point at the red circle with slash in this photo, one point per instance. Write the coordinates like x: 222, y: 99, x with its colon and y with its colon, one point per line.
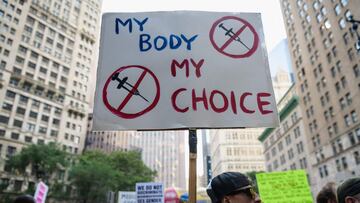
x: 221, y: 48
x: 118, y: 110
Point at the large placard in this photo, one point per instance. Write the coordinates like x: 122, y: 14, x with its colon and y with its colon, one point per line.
x: 183, y: 69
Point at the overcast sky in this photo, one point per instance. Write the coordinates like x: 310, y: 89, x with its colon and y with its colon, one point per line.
x: 269, y: 9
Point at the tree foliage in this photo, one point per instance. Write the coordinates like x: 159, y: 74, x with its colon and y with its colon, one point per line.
x: 96, y: 173
x: 44, y: 160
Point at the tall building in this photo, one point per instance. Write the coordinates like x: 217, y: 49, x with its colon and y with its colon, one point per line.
x: 281, y: 83
x: 47, y: 53
x: 108, y: 141
x: 240, y: 150
x: 236, y: 150
x: 327, y: 71
x: 163, y: 151
x: 285, y: 146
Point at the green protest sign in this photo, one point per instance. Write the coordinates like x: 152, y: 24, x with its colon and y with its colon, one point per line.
x: 284, y: 187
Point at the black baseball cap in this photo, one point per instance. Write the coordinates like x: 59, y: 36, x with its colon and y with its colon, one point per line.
x: 24, y: 199
x: 350, y: 187
x: 226, y: 183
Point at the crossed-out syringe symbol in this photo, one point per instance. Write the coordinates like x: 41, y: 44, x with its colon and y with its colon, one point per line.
x: 123, y: 82
x: 231, y: 34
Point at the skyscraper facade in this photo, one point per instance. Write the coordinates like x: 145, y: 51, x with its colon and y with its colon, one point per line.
x: 327, y: 69
x: 236, y: 150
x: 107, y: 141
x: 163, y: 151
x: 285, y: 146
x: 48, y: 50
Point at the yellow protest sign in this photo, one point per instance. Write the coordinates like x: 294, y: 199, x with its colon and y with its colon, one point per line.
x: 284, y: 187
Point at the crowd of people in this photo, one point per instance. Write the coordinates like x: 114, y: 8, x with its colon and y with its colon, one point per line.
x: 234, y: 187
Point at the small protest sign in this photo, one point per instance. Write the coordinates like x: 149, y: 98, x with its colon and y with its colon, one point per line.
x: 41, y: 192
x: 126, y: 197
x: 149, y: 192
x: 284, y: 187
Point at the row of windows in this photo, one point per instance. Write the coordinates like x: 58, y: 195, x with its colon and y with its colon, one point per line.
x: 237, y: 151
x: 53, y: 22
x: 28, y: 127
x: 38, y: 89
x: 25, y: 138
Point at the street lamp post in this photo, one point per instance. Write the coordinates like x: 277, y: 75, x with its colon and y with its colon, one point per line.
x: 355, y: 24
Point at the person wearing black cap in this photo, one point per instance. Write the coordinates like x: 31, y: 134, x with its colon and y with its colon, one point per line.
x: 327, y: 194
x: 24, y: 199
x: 232, y: 187
x: 349, y: 191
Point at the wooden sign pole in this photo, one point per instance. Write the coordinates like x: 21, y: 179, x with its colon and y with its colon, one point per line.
x: 192, y: 165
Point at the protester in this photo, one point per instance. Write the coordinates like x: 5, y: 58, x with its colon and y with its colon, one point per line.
x: 232, y: 187
x: 327, y: 194
x: 24, y: 199
x: 349, y: 191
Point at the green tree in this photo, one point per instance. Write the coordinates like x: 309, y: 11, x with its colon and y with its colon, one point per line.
x: 44, y: 160
x: 131, y: 169
x: 96, y: 173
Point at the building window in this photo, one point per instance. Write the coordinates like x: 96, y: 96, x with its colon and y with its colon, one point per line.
x: 20, y: 110
x: 327, y: 24
x: 344, y: 163
x: 354, y: 116
x: 42, y: 130
x: 351, y: 54
x: 337, y: 9
x: 17, y: 123
x: 2, y: 133
x: 348, y: 98
x: 282, y: 159
x: 28, y: 139
x: 346, y: 38
x: 347, y: 120
x: 351, y: 138
x: 344, y: 2
x: 280, y: 146
x: 7, y: 106
x: 15, y: 136
x: 10, y: 94
x: 10, y: 151
x: 342, y: 103
x: 357, y: 157
x: 290, y: 154
x: 343, y: 82
x: 288, y: 139
x: 356, y: 70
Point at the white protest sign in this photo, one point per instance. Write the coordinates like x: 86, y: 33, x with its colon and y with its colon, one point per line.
x: 127, y: 197
x: 41, y: 192
x: 150, y: 193
x: 183, y: 69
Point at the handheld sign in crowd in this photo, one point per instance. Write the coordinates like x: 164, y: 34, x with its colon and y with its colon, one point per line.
x: 284, y: 187
x: 41, y: 192
x: 149, y: 192
x: 127, y: 197
x: 183, y: 69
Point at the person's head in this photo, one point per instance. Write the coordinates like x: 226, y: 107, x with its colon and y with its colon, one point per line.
x: 327, y: 194
x: 232, y: 187
x: 24, y: 199
x: 349, y: 191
